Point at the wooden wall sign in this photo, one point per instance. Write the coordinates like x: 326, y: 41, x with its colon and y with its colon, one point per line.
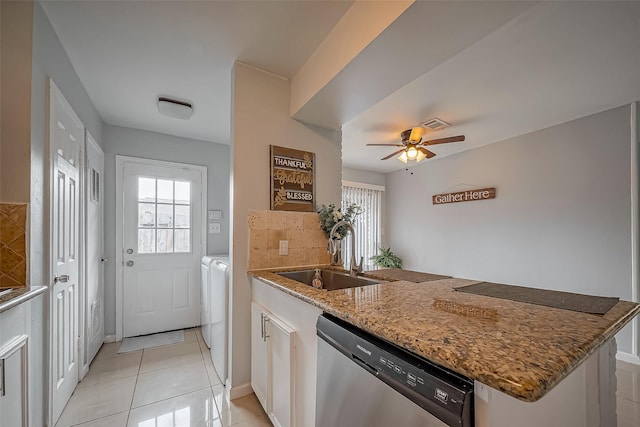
x: 292, y: 179
x: 464, y: 196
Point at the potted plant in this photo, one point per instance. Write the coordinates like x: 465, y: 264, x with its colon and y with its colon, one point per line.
x: 330, y: 216
x: 386, y: 258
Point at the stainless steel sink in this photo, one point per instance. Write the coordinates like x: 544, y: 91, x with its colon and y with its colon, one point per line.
x: 331, y: 280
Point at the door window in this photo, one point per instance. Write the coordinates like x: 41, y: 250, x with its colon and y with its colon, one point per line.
x: 164, y: 216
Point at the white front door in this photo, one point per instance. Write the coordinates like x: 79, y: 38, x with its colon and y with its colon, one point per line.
x: 66, y: 133
x: 162, y: 246
x: 94, y: 290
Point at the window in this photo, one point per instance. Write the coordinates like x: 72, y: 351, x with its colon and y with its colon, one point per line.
x: 164, y: 216
x: 368, y: 224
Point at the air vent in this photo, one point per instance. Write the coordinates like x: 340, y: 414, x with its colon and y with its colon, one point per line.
x: 435, y: 124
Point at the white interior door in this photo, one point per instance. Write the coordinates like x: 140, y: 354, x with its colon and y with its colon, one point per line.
x: 66, y: 133
x: 94, y: 289
x: 162, y: 246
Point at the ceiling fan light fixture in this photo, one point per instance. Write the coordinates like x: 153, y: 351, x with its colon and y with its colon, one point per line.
x: 421, y: 156
x: 416, y: 134
x: 403, y: 157
x: 411, y: 152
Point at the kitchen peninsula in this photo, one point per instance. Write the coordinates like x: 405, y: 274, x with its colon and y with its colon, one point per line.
x: 562, y: 360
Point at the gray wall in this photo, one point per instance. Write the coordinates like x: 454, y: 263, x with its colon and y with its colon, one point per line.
x: 157, y: 146
x: 49, y: 59
x: 561, y: 218
x: 367, y: 177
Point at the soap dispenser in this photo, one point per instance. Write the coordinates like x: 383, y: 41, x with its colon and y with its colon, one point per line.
x: 317, y: 280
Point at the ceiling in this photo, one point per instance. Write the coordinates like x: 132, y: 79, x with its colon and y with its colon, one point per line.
x: 493, y: 70
x: 128, y: 53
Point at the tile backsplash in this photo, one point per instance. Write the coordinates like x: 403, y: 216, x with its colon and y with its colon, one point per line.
x: 13, y: 250
x: 306, y: 240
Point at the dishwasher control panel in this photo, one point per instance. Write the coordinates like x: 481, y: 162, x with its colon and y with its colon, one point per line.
x: 415, y: 379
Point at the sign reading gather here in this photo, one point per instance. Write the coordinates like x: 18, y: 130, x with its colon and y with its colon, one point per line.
x: 292, y: 179
x: 465, y: 196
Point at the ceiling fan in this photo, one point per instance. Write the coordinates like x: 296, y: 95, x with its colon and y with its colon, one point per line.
x: 413, y: 147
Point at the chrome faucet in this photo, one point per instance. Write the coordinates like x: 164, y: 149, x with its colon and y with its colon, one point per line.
x: 354, y: 269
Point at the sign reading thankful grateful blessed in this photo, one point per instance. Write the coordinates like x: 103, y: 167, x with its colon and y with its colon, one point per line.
x: 465, y: 196
x: 292, y: 179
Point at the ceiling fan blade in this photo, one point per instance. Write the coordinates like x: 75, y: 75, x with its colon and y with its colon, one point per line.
x: 392, y: 154
x: 427, y: 153
x: 385, y: 145
x: 458, y: 138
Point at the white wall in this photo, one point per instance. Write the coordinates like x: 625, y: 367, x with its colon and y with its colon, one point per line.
x: 561, y: 218
x: 158, y: 146
x: 49, y: 59
x: 260, y: 117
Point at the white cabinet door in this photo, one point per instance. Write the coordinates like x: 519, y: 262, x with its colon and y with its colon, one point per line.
x: 259, y: 355
x: 13, y: 383
x: 272, y: 365
x: 282, y: 340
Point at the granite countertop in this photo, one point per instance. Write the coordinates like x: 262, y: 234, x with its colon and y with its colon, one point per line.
x: 18, y: 296
x: 522, y: 349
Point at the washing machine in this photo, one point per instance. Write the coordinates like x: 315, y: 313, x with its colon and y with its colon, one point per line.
x: 215, y: 309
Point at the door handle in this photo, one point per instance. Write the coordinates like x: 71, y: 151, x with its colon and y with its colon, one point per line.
x: 104, y: 259
x: 129, y: 263
x: 3, y: 386
x: 266, y: 335
x: 64, y: 278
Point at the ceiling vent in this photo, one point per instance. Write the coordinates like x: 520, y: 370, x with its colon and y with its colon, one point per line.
x: 435, y: 124
x: 174, y: 108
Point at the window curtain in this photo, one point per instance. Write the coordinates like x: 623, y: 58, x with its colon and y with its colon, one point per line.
x: 367, y: 225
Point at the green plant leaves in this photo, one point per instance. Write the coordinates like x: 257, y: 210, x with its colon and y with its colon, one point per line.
x: 386, y: 258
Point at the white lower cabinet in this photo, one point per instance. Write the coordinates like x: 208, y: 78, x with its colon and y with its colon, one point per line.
x: 14, y: 389
x: 273, y: 365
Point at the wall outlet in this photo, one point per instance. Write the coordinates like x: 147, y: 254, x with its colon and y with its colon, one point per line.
x: 283, y: 249
x: 214, y: 228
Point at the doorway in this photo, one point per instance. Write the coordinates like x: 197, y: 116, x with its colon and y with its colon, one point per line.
x: 160, y: 239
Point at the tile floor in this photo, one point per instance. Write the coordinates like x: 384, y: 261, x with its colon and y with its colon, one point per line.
x: 172, y: 385
x: 176, y: 385
x: 628, y: 395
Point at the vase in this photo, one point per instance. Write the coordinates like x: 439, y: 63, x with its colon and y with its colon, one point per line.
x: 335, y: 251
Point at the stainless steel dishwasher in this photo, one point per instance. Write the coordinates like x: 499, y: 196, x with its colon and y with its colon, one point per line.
x: 365, y: 381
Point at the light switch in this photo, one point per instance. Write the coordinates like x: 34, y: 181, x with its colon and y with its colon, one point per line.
x: 215, y: 214
x: 214, y: 228
x: 283, y: 248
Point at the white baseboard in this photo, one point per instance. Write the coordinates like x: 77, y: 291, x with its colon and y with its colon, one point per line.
x: 109, y: 338
x: 239, y: 391
x: 628, y: 357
